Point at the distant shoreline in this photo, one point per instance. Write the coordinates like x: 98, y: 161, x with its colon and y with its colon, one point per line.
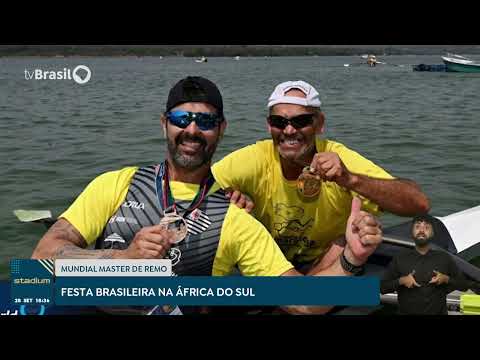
x: 227, y: 50
x: 195, y: 57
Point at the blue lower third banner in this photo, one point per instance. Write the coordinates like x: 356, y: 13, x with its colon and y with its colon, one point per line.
x: 210, y: 290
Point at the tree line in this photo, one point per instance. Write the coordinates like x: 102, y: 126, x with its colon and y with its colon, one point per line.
x: 219, y: 50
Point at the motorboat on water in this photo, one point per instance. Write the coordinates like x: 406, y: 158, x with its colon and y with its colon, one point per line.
x: 458, y: 63
x: 203, y: 59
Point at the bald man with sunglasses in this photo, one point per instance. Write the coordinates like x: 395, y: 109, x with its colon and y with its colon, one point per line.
x: 303, y: 186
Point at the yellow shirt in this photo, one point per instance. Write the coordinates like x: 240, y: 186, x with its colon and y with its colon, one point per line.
x: 304, y: 229
x: 243, y: 240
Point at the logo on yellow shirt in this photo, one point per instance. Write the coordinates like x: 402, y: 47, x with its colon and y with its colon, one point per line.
x: 290, y: 225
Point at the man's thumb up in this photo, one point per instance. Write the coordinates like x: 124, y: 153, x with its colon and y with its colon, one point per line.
x: 356, y: 206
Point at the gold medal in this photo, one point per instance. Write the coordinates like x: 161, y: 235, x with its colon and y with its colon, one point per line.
x: 308, y: 183
x: 176, y: 224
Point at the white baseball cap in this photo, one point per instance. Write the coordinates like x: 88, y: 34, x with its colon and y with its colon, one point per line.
x: 312, y: 97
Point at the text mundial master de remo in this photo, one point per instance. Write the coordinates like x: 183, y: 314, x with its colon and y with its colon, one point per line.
x: 124, y: 267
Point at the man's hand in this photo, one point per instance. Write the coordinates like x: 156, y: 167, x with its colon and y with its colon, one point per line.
x: 399, y: 196
x: 241, y: 200
x: 363, y: 234
x: 151, y: 242
x: 439, y: 278
x: 331, y: 168
x: 408, y: 280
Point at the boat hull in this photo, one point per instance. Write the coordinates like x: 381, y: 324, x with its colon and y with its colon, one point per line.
x: 465, y: 68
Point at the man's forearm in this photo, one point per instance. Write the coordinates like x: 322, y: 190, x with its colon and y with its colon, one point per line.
x: 398, y: 196
x: 69, y: 251
x: 335, y: 269
x: 332, y: 255
x: 64, y: 241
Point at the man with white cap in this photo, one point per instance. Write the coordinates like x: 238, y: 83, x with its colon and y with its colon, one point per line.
x: 304, y: 187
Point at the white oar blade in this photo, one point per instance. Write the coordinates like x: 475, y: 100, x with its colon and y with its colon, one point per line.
x: 32, y: 215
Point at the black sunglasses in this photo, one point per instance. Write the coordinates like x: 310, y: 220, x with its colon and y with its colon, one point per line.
x: 298, y: 122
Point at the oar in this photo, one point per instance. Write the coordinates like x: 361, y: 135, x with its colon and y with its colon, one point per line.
x: 36, y: 216
x: 355, y: 64
x: 384, y: 63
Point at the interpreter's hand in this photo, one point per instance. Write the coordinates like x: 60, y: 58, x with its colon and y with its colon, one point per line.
x: 243, y: 201
x: 408, y: 281
x: 363, y: 234
x: 439, y: 278
x: 330, y: 168
x: 151, y: 242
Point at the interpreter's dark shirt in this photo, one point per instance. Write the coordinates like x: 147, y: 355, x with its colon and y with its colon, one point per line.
x: 428, y: 299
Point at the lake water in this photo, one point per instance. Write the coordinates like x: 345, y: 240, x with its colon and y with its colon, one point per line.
x: 57, y: 135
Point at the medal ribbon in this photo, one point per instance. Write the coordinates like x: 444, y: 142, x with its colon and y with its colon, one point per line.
x: 164, y: 193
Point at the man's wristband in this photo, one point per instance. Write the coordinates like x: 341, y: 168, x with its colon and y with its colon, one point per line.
x: 349, y: 267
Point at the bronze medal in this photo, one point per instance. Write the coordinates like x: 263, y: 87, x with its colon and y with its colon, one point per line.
x: 308, y: 183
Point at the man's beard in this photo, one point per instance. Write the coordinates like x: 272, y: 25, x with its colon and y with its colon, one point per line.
x: 201, y: 157
x: 422, y: 241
